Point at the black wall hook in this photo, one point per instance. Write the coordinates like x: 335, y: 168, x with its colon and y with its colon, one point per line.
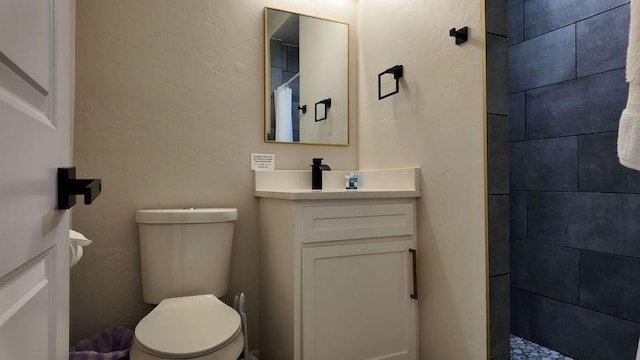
x: 397, y: 71
x: 461, y: 35
x: 69, y: 187
x: 303, y: 108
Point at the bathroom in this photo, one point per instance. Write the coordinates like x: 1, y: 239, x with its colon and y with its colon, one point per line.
x: 194, y: 149
x: 526, y: 223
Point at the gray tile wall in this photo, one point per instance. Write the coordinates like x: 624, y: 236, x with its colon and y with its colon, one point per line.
x: 575, y: 212
x: 498, y: 177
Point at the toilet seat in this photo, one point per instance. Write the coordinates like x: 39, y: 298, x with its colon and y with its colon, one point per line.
x: 188, y: 327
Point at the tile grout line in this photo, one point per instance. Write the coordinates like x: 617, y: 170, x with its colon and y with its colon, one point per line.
x: 584, y: 192
x: 526, y: 209
x: 627, y: 257
x: 564, y: 136
x: 530, y: 324
x: 500, y: 35
x: 578, y: 163
x: 563, y: 82
x: 575, y: 50
x: 580, y: 278
x: 564, y: 26
x: 523, y: 22
x: 531, y: 293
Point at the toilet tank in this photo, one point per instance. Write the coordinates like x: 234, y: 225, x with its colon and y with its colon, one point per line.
x: 185, y: 251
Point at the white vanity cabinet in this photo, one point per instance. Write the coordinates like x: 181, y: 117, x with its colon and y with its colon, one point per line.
x: 338, y: 277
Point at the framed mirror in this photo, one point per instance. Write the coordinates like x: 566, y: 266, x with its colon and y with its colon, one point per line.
x: 306, y: 79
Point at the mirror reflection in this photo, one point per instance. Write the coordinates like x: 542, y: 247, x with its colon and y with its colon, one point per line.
x: 306, y: 79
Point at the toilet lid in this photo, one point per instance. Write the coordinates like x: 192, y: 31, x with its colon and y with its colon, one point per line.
x: 188, y: 326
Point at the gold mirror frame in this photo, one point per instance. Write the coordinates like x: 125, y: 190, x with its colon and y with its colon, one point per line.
x: 266, y: 82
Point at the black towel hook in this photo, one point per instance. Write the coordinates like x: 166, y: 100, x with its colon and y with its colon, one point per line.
x: 461, y: 35
x: 69, y: 187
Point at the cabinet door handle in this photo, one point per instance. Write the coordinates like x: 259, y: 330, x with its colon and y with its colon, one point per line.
x: 414, y: 295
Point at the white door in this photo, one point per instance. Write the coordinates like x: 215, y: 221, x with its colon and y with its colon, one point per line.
x: 35, y: 75
x: 356, y: 302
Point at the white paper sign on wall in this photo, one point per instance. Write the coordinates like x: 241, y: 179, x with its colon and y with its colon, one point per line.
x: 263, y: 162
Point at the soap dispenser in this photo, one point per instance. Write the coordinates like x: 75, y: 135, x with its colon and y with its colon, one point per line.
x: 316, y: 173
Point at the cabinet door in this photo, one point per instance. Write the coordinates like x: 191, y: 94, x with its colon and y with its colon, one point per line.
x: 356, y: 302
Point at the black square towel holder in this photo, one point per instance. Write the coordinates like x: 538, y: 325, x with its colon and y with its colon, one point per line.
x: 461, y: 36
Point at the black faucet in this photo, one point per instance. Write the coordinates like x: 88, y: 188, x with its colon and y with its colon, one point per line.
x: 316, y: 173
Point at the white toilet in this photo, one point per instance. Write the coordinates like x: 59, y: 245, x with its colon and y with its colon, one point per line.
x: 185, y: 256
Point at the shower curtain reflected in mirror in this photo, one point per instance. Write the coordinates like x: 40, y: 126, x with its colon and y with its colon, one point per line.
x: 284, y: 119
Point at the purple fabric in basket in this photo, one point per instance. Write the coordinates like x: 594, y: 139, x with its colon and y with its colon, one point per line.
x: 111, y: 344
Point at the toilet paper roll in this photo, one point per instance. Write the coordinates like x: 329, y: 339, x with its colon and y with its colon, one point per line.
x: 75, y: 253
x: 76, y: 242
x: 79, y: 238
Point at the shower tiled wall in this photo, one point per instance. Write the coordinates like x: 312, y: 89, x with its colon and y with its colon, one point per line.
x: 575, y: 212
x: 498, y: 178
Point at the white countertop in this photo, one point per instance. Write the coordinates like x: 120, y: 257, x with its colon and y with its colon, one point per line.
x: 306, y: 194
x: 373, y: 184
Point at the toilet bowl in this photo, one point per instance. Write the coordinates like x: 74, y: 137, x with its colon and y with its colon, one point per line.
x: 191, y: 327
x: 185, y: 256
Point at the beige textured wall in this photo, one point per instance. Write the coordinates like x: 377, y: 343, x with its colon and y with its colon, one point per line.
x: 168, y: 108
x: 436, y: 122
